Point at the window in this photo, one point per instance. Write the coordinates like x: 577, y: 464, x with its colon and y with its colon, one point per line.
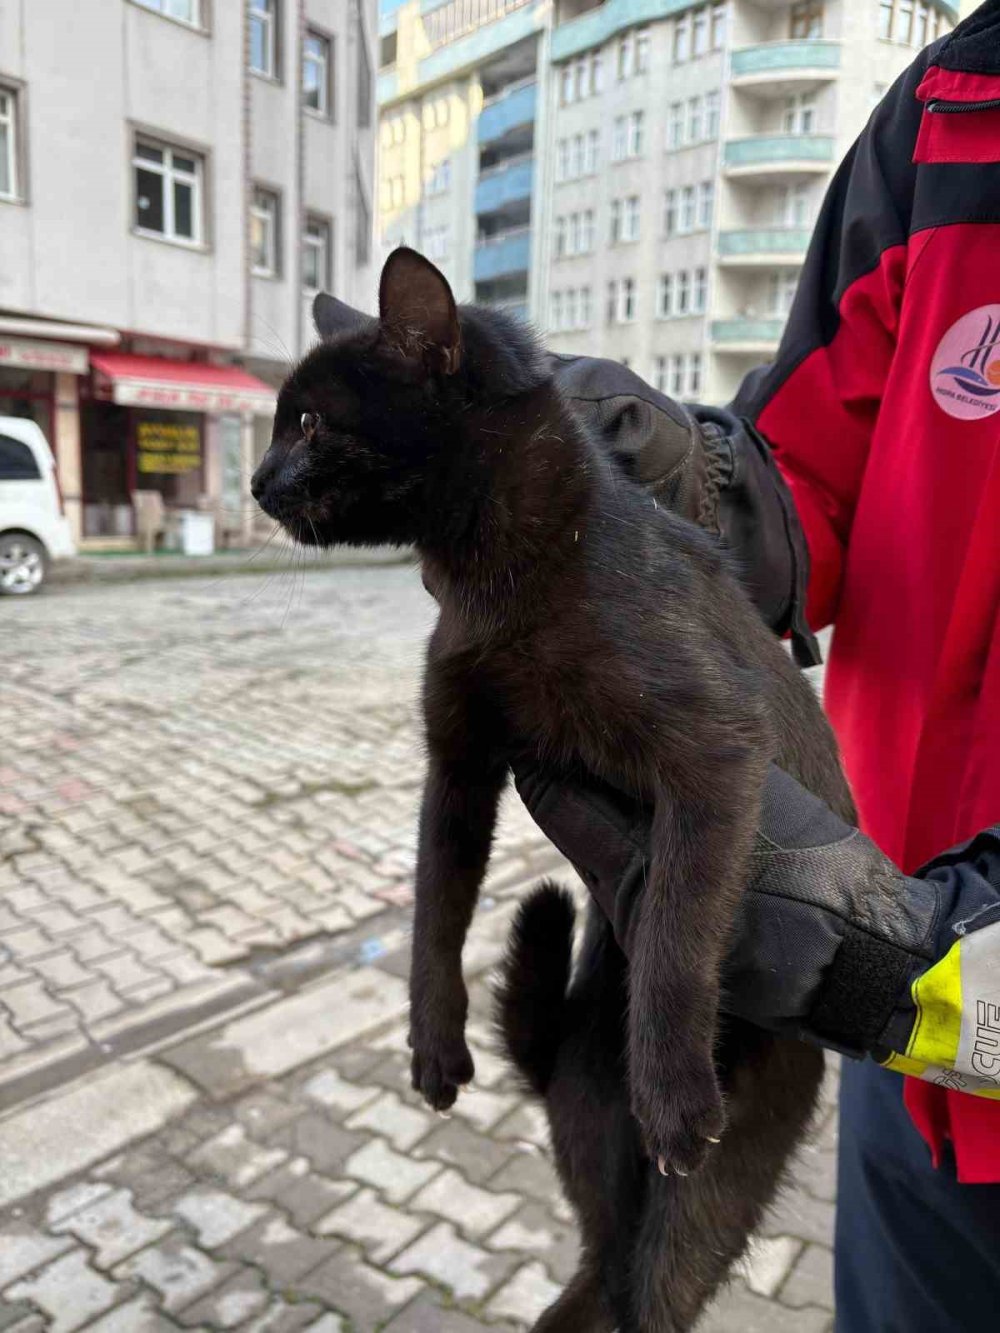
x: 636, y: 134
x: 682, y: 39
x: 8, y: 144
x: 921, y: 31
x: 560, y: 241
x: 556, y: 311
x: 587, y: 232
x: 264, y: 38
x: 806, y: 19
x: 712, y: 115
x: 440, y: 178
x: 316, y: 255
x: 683, y: 295
x: 718, y: 27
x: 670, y: 212
x: 642, y: 51
x: 619, y: 141
x: 630, y: 219
x: 569, y: 314
x: 185, y: 11
x: 694, y: 373
x: 904, y: 21
x: 566, y: 86
x: 665, y: 297
x: 699, y: 44
x: 17, y: 462
x: 699, y: 297
x: 596, y: 72
x: 675, y: 125
x: 437, y: 242
x: 316, y: 73
x: 660, y: 373
x: 585, y: 308
x: 794, y: 209
x: 781, y: 288
x: 573, y: 239
x: 590, y: 155
x: 626, y: 300
x: 799, y: 114
x: 677, y: 374
x: 168, y: 192
x: 686, y: 221
x: 562, y: 160
x: 706, y: 201
x: 364, y: 75
x: 616, y: 221
x: 362, y: 223
x: 577, y: 155
x: 264, y: 233
x: 885, y: 19
x: 626, y: 57
x: 694, y: 120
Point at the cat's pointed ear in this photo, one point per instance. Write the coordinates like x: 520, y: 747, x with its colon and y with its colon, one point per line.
x: 417, y: 310
x: 332, y: 317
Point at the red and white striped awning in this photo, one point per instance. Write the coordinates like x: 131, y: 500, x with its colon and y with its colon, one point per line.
x: 184, y: 386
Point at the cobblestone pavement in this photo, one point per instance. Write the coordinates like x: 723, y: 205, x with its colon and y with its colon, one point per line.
x: 207, y: 810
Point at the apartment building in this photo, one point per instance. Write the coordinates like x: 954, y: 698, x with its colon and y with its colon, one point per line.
x: 679, y: 155
x: 177, y: 179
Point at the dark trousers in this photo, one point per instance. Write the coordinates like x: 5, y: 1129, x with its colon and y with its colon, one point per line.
x: 916, y: 1252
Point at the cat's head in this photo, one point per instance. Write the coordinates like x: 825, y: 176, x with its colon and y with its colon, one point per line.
x: 373, y: 419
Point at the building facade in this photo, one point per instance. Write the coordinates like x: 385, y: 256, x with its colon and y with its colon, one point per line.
x: 679, y: 154
x: 177, y: 178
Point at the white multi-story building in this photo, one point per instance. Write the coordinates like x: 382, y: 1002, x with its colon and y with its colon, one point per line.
x: 177, y: 177
x: 678, y: 156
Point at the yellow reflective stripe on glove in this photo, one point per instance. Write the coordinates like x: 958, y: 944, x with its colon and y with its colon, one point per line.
x: 955, y: 1041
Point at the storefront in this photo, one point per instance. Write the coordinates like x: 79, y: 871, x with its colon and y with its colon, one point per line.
x: 181, y: 429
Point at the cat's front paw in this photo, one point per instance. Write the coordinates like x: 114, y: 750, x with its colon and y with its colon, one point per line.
x: 681, y: 1118
x: 440, y: 1064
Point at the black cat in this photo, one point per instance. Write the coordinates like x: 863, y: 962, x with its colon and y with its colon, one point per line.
x: 580, y: 627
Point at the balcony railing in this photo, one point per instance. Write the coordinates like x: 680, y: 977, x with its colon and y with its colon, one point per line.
x: 785, y: 57
x: 762, y: 242
x: 509, y: 183
x: 502, y: 255
x: 509, y: 111
x: 776, y: 150
x: 749, y: 334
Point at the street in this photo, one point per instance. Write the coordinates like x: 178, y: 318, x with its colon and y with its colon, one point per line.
x: 208, y: 794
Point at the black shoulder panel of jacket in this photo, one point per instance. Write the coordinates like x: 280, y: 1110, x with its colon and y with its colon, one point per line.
x: 974, y: 46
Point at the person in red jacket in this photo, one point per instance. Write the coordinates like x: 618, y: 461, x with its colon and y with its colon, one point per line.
x: 882, y: 413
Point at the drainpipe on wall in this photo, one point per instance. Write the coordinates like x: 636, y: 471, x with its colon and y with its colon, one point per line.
x: 299, y: 212
x: 247, y: 124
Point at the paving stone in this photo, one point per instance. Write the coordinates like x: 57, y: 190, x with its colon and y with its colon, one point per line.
x: 179, y: 1272
x: 811, y: 1280
x: 261, y: 1112
x: 280, y: 1317
x: 68, y: 1290
x: 402, y: 1125
x: 94, y: 1001
x: 138, y: 1316
x: 30, y: 1003
x: 454, y: 1142
x: 739, y: 1311
x: 300, y: 1192
x: 430, y: 1313
x: 768, y: 1262
x: 329, y: 1089
x: 468, y: 1271
x: 232, y: 1158
x: 111, y: 1228
x: 215, y: 1216
x: 230, y: 1305
x: 62, y: 970
x: 525, y: 1296
x: 314, y: 1136
x: 483, y: 1109
x: 395, y: 1176
x: 279, y: 1250
x: 474, y: 1211
x: 800, y: 1215
x: 364, y: 1219
x: 348, y: 1286
x: 535, y: 1231
x: 527, y: 1123
x: 528, y: 1173
x: 23, y: 1249
x: 71, y: 1200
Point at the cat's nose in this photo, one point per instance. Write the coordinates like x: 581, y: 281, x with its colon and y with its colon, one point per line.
x: 260, y: 479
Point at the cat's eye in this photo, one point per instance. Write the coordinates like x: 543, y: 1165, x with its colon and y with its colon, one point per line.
x: 309, y: 422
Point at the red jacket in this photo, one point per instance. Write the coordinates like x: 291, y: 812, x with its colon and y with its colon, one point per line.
x: 883, y: 408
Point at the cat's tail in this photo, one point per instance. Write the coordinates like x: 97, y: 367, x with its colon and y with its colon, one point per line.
x: 531, y: 993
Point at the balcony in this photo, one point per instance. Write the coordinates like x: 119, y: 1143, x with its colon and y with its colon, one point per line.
x: 512, y: 110
x: 780, y: 69
x: 506, y: 185
x: 596, y: 26
x: 763, y: 247
x: 746, y: 337
x: 778, y: 157
x: 503, y: 255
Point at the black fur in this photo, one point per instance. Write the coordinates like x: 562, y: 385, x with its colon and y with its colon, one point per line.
x: 580, y: 627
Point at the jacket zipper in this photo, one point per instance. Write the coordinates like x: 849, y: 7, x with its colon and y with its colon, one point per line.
x: 952, y: 108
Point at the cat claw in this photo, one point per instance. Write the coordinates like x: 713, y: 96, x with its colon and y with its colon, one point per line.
x: 661, y: 1163
x: 711, y: 1140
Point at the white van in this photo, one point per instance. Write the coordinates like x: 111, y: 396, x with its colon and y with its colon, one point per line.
x: 33, y: 525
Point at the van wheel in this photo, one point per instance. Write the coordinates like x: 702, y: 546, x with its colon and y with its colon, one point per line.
x: 22, y: 565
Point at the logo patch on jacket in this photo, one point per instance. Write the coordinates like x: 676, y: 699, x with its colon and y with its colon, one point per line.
x: 965, y: 371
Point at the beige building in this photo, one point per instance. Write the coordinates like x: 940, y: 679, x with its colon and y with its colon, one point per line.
x: 667, y: 160
x: 177, y: 177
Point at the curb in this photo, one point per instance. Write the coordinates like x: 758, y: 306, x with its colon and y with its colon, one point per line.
x: 135, y: 569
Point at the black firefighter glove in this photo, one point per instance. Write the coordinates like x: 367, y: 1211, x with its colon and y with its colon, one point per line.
x: 832, y: 943
x: 711, y: 467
